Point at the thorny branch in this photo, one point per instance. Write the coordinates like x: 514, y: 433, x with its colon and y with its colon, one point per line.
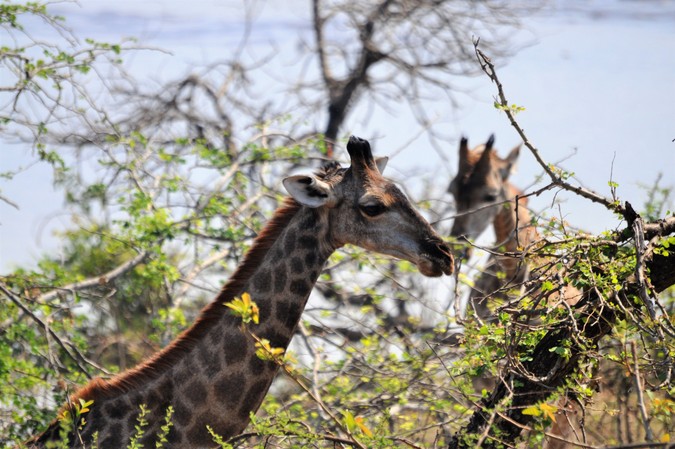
x: 556, y: 180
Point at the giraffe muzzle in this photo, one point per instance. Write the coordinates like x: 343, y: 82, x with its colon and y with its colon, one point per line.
x: 437, y: 259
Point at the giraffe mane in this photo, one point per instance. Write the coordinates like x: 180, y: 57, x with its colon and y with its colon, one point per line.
x: 331, y: 171
x: 155, y: 365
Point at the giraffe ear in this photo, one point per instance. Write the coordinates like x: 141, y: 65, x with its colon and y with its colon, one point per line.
x: 381, y: 162
x: 308, y: 190
x: 510, y: 162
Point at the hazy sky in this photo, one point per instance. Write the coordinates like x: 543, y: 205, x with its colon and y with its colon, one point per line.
x: 597, y: 82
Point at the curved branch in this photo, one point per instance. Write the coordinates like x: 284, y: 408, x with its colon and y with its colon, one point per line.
x: 489, y: 69
x: 94, y: 281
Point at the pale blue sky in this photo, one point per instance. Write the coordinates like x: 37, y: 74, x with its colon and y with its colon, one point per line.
x: 597, y: 81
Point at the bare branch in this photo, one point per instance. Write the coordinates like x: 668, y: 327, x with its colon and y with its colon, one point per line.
x: 649, y: 435
x: 103, y: 279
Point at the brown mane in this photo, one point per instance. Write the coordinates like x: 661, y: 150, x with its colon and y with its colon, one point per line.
x: 210, y: 314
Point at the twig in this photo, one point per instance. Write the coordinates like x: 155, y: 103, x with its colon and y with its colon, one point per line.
x: 195, y: 271
x: 548, y: 434
x: 407, y: 442
x: 331, y: 438
x: 315, y: 367
x: 649, y: 435
x: 10, y: 202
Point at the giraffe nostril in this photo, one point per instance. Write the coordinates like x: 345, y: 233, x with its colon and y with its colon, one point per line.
x: 445, y: 249
x: 440, y: 255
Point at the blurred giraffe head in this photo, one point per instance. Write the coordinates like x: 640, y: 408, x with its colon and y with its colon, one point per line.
x: 480, y: 187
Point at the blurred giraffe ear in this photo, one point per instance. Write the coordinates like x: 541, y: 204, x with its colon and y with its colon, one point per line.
x: 510, y: 162
x: 381, y: 162
x: 308, y: 190
x: 465, y: 167
x: 513, y: 155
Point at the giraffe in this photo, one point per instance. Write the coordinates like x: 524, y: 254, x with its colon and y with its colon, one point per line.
x: 211, y: 374
x: 483, y: 195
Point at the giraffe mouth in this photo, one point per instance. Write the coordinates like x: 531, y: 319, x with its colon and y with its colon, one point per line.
x: 430, y: 265
x: 435, y: 267
x: 437, y: 260
x: 432, y: 256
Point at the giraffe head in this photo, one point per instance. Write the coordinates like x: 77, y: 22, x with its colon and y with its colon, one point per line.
x: 367, y: 210
x: 480, y: 187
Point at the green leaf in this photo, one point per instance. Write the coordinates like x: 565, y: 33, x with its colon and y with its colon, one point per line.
x: 244, y: 308
x: 349, y: 420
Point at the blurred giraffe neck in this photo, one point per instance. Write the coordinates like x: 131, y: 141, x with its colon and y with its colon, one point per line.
x: 513, y: 228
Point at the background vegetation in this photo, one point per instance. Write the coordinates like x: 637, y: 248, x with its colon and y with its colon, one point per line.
x: 171, y: 183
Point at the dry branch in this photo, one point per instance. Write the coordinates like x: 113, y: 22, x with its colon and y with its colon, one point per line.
x: 95, y: 281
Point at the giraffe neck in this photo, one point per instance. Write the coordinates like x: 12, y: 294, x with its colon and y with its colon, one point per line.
x: 513, y: 228
x: 514, y: 233
x: 211, y: 375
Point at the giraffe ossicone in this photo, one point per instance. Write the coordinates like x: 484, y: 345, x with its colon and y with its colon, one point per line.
x: 211, y: 375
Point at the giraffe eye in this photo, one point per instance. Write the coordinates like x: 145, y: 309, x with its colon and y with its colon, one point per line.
x: 490, y: 197
x: 372, y: 210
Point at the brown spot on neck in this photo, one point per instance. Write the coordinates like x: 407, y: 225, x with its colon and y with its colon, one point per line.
x: 209, y: 316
